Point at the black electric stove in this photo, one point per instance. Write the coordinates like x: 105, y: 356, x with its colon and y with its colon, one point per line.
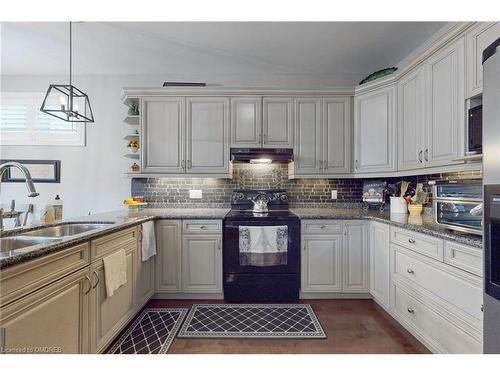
x: 246, y: 283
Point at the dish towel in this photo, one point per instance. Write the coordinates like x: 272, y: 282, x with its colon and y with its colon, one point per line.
x: 263, y: 246
x: 115, y: 271
x: 148, y: 240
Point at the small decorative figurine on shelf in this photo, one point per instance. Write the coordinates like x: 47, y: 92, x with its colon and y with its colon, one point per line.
x: 133, y: 109
x: 135, y: 168
x: 133, y: 146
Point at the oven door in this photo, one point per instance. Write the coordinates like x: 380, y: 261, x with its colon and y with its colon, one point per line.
x: 231, y: 248
x: 459, y: 215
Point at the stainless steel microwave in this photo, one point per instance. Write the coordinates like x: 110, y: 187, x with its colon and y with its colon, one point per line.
x: 458, y: 205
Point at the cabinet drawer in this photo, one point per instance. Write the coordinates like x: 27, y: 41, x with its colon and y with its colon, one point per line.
x: 112, y: 242
x: 322, y: 226
x: 27, y: 277
x: 464, y: 257
x: 437, y: 330
x: 426, y: 245
x: 201, y: 226
x: 457, y: 288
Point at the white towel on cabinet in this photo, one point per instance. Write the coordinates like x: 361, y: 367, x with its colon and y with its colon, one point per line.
x: 115, y: 271
x: 148, y: 240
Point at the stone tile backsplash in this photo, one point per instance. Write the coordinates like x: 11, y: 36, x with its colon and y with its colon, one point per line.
x: 174, y: 192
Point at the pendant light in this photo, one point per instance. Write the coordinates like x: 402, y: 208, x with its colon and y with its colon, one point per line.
x: 67, y: 102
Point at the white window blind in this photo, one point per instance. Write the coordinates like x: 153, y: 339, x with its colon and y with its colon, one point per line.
x: 22, y: 123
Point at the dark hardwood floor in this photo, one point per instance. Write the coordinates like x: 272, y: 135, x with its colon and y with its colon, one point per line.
x: 352, y: 326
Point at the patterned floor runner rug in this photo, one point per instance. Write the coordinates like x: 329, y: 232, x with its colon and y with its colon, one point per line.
x: 285, y: 321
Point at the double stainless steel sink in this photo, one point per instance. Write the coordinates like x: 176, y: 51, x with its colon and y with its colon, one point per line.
x: 47, y: 235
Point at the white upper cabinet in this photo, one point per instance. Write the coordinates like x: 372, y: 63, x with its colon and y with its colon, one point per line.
x: 277, y: 122
x: 207, y: 135
x: 308, y: 152
x: 445, y: 106
x: 322, y: 136
x: 336, y: 136
x: 163, y: 128
x: 477, y: 39
x: 375, y: 139
x: 411, y: 120
x: 246, y: 121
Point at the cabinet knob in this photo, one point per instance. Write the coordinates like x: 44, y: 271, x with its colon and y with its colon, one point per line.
x: 322, y: 226
x: 411, y: 310
x: 411, y: 240
x: 410, y: 271
x: 202, y: 227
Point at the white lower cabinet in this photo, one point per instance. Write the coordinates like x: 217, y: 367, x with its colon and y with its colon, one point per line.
x: 53, y: 319
x: 201, y: 263
x: 322, y: 263
x: 380, y: 276
x: 189, y: 258
x: 438, y: 303
x: 144, y: 277
x: 334, y: 257
x: 108, y: 315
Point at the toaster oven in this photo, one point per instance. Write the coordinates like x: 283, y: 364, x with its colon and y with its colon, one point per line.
x: 458, y: 205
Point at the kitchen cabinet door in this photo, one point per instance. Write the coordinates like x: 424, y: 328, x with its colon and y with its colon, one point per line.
x: 168, y: 257
x: 355, y: 257
x: 411, y: 120
x: 321, y: 269
x: 144, y: 276
x: 246, y: 121
x: 308, y: 154
x: 108, y: 315
x: 201, y: 263
x: 477, y: 39
x: 277, y: 122
x: 162, y: 135
x: 380, y: 275
x: 336, y: 136
x: 207, y: 135
x: 54, y: 318
x: 375, y: 141
x: 445, y: 105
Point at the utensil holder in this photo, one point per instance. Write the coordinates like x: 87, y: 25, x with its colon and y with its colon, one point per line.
x: 398, y: 205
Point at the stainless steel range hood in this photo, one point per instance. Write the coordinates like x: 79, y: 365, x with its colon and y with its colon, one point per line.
x: 262, y: 155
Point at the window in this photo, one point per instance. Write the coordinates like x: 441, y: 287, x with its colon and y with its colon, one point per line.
x: 22, y: 123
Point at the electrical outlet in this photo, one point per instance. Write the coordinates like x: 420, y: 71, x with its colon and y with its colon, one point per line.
x: 195, y: 194
x: 334, y: 194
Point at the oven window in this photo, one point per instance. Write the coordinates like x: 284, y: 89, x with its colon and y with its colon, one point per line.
x: 458, y: 214
x: 457, y: 191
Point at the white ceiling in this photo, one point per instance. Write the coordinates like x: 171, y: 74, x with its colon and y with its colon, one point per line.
x: 331, y: 49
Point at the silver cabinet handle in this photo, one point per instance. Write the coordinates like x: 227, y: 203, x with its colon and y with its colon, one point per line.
x: 320, y: 165
x: 411, y: 310
x: 411, y: 240
x: 218, y: 245
x: 420, y: 156
x: 482, y: 307
x: 97, y: 277
x: 356, y: 164
x: 322, y: 226
x: 90, y: 285
x: 410, y: 271
x: 265, y: 138
x: 260, y: 138
x: 189, y: 164
x: 202, y: 227
x: 325, y: 164
x: 426, y: 154
x: 183, y: 164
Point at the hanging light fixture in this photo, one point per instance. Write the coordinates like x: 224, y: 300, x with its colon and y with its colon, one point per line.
x: 67, y: 102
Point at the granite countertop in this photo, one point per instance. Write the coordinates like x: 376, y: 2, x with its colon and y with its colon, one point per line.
x: 425, y: 225
x: 127, y: 218
x: 118, y: 220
